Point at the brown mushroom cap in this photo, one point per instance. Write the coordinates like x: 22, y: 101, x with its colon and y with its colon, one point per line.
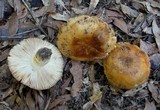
x: 85, y: 38
x: 126, y: 66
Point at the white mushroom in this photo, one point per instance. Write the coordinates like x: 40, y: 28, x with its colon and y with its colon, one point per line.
x: 36, y: 63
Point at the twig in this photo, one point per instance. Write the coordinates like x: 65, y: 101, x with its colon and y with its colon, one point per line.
x: 16, y: 36
x: 35, y: 20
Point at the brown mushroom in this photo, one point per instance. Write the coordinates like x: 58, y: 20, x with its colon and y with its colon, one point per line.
x: 127, y: 66
x: 85, y: 38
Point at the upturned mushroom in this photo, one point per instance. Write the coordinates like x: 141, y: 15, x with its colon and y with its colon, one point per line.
x: 126, y: 66
x: 36, y: 63
x: 86, y: 38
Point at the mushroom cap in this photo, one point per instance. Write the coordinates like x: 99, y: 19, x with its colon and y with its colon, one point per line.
x: 126, y: 66
x: 22, y: 66
x: 85, y: 38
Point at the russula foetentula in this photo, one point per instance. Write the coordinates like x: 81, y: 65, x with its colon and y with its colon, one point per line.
x: 36, y: 63
x: 86, y: 38
x: 126, y: 66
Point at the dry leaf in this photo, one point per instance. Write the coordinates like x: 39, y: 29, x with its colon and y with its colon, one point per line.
x: 58, y: 16
x: 10, y: 2
x: 21, y: 89
x: 93, y: 99
x: 139, y: 19
x: 60, y: 99
x: 75, y: 3
x: 30, y: 102
x: 137, y: 5
x: 3, y: 86
x: 54, y: 24
x: 45, y: 2
x: 138, y: 22
x: 150, y: 105
x: 154, y: 4
x: 51, y: 26
x: 4, y: 72
x: 21, y: 103
x: 76, y: 71
x: 129, y: 11
x: 143, y: 93
x: 151, y: 10
x: 4, y: 55
x: 79, y: 10
x: 43, y: 11
x: 154, y: 91
x: 13, y: 24
x: 143, y: 5
x: 11, y: 100
x: 132, y: 92
x: 156, y: 32
x: 40, y: 99
x: 17, y: 6
x: 1, y: 9
x: 91, y: 73
x: 155, y: 60
x: 148, y: 48
x: 92, y: 5
x: 60, y: 2
x: 65, y: 85
x: 88, y: 105
x: 121, y: 25
x: 4, y: 106
x: 63, y: 107
x: 118, y: 1
x: 6, y: 93
x: 26, y: 26
x: 97, y: 95
x: 148, y: 30
x: 111, y: 13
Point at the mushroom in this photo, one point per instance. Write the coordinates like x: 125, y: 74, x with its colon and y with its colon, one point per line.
x: 36, y: 63
x: 85, y: 38
x: 126, y: 66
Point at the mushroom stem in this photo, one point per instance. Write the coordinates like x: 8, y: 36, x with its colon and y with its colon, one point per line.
x: 42, y: 56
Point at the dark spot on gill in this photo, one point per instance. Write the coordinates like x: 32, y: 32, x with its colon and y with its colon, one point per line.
x: 44, y: 53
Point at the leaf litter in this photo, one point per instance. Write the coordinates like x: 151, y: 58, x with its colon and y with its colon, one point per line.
x: 76, y: 71
x: 83, y: 85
